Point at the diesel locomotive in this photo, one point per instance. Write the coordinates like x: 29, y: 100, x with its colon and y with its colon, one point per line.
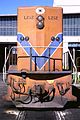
x: 38, y: 79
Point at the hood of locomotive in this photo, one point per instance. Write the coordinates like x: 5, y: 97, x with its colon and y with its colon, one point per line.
x: 40, y: 38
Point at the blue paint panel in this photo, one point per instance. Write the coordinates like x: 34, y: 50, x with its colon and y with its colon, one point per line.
x: 40, y: 59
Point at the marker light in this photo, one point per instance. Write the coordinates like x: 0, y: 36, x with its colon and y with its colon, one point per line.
x: 21, y: 38
x: 52, y: 38
x: 50, y: 81
x: 26, y: 38
x: 57, y: 38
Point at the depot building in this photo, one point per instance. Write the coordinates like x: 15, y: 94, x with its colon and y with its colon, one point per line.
x: 71, y: 30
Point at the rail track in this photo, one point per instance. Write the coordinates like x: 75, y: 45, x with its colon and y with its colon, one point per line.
x: 68, y: 114
x: 21, y: 115
x: 9, y: 112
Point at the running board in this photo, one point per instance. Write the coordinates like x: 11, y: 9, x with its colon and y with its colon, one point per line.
x: 40, y: 75
x: 57, y: 102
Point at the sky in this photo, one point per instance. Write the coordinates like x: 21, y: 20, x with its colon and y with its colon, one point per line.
x: 10, y: 6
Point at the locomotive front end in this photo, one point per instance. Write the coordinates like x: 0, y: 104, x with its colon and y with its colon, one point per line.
x: 38, y: 79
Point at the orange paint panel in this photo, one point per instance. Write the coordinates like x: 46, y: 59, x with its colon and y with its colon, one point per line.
x: 27, y: 21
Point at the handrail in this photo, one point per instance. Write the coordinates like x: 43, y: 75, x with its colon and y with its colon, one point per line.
x: 6, y: 59
x: 39, y: 56
x: 76, y: 75
x: 4, y: 67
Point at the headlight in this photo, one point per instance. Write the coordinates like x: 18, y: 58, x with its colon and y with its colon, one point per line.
x: 40, y: 18
x: 40, y: 22
x: 40, y: 25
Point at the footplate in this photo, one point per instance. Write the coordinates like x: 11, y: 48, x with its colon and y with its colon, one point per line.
x: 57, y: 102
